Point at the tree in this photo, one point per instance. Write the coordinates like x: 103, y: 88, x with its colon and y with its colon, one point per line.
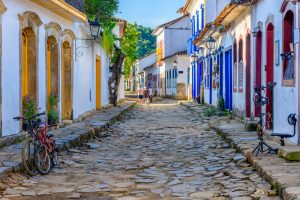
x: 103, y: 10
x: 129, y: 47
x: 147, y: 41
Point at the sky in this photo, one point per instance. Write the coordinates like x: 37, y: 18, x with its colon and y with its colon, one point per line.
x: 149, y: 13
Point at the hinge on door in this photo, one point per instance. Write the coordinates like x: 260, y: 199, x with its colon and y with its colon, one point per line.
x: 265, y: 68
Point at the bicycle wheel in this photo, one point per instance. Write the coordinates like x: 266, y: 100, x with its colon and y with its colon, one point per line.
x: 28, y: 157
x: 43, y: 162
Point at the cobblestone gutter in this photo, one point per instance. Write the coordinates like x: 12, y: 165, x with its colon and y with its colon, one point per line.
x: 72, y: 135
x: 281, y: 174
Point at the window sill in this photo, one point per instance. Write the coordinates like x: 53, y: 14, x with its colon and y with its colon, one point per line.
x: 288, y: 83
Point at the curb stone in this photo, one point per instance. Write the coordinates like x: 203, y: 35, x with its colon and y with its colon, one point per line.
x: 275, y: 170
x: 69, y: 136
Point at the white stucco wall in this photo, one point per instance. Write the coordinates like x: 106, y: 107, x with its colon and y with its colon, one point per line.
x: 83, y: 67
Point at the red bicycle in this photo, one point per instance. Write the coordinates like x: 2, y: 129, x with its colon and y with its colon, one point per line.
x: 39, y: 153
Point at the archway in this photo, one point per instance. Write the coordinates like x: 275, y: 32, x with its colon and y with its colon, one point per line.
x: 67, y: 100
x: 52, y: 70
x: 258, y: 62
x: 248, y: 75
x: 269, y: 70
x: 98, y: 83
x: 29, y: 64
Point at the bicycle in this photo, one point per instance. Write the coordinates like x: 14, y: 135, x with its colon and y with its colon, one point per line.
x: 36, y: 149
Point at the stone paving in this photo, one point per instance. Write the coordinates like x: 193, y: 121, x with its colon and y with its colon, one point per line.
x: 282, y: 174
x: 160, y: 151
x: 68, y: 136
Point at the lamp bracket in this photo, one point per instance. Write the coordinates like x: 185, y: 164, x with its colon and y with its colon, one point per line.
x: 82, y: 43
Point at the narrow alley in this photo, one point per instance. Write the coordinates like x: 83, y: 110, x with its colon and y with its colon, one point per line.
x: 159, y: 151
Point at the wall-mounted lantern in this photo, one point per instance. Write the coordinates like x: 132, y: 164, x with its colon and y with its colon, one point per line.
x: 211, y: 44
x: 255, y: 31
x: 95, y: 28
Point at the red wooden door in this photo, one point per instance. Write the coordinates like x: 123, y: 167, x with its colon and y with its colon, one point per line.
x: 269, y: 70
x: 248, y: 76
x: 258, y: 61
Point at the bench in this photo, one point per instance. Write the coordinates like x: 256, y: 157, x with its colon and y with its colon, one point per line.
x: 292, y: 121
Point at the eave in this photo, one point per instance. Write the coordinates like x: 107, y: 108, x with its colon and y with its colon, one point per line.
x: 62, y: 9
x: 224, y: 20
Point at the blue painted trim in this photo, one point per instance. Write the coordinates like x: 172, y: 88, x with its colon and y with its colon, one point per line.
x: 221, y: 74
x: 210, y: 81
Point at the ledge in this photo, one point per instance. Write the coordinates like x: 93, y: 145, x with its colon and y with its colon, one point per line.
x: 63, y: 9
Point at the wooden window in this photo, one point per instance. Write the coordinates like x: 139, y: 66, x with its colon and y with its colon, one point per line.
x: 241, y: 66
x: 288, y: 42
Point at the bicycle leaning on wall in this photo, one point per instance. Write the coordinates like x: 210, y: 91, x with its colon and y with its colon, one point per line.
x: 39, y: 153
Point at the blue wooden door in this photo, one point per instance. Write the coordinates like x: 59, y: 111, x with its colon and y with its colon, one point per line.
x: 198, y: 78
x: 210, y: 80
x: 228, y: 79
x: 221, y: 74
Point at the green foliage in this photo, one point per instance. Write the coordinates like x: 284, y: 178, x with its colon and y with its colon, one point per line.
x: 209, y: 111
x: 53, y: 100
x: 221, y: 104
x: 104, y: 10
x: 29, y: 107
x: 53, y: 115
x: 108, y: 41
x: 129, y: 46
x: 147, y: 41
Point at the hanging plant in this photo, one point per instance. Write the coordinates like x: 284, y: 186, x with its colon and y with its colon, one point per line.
x: 52, y: 115
x: 29, y: 107
x: 108, y: 42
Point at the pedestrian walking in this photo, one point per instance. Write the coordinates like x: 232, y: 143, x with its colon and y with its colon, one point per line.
x: 146, y: 95
x: 140, y: 93
x: 150, y: 94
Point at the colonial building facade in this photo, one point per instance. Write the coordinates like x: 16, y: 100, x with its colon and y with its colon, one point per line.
x: 172, y: 59
x: 256, y: 43
x: 44, y: 53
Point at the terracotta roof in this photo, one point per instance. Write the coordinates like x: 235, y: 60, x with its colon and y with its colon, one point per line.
x: 225, y: 18
x: 165, y: 25
x: 179, y: 53
x: 153, y: 65
x: 203, y: 32
x: 187, y: 3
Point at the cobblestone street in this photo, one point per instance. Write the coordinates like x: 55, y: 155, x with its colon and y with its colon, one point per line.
x: 160, y: 151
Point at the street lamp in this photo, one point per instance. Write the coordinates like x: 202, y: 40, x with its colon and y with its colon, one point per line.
x: 95, y: 28
x: 255, y: 31
x: 194, y: 57
x: 175, y: 63
x: 211, y: 43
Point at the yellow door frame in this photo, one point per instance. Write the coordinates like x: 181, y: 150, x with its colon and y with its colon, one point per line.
x: 98, y: 82
x: 24, y: 64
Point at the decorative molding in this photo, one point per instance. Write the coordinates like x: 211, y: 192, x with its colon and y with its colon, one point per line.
x: 269, y: 20
x: 2, y: 7
x: 70, y: 33
x: 28, y: 18
x: 55, y: 26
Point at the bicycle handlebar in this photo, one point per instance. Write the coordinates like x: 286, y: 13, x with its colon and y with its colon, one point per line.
x: 18, y: 118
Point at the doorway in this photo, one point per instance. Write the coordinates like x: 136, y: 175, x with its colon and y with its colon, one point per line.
x: 270, y: 72
x: 248, y: 76
x: 98, y: 83
x: 67, y: 100
x: 228, y: 79
x: 258, y: 61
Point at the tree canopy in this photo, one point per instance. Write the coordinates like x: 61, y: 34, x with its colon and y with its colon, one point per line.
x: 129, y: 46
x: 147, y: 41
x: 104, y: 10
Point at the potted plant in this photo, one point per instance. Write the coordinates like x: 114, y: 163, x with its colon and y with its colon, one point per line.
x: 29, y: 110
x: 52, y: 115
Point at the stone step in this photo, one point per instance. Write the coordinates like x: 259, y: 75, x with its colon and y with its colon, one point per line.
x: 290, y: 153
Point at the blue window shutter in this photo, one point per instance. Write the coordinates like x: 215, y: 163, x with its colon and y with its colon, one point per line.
x: 202, y: 16
x: 198, y: 25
